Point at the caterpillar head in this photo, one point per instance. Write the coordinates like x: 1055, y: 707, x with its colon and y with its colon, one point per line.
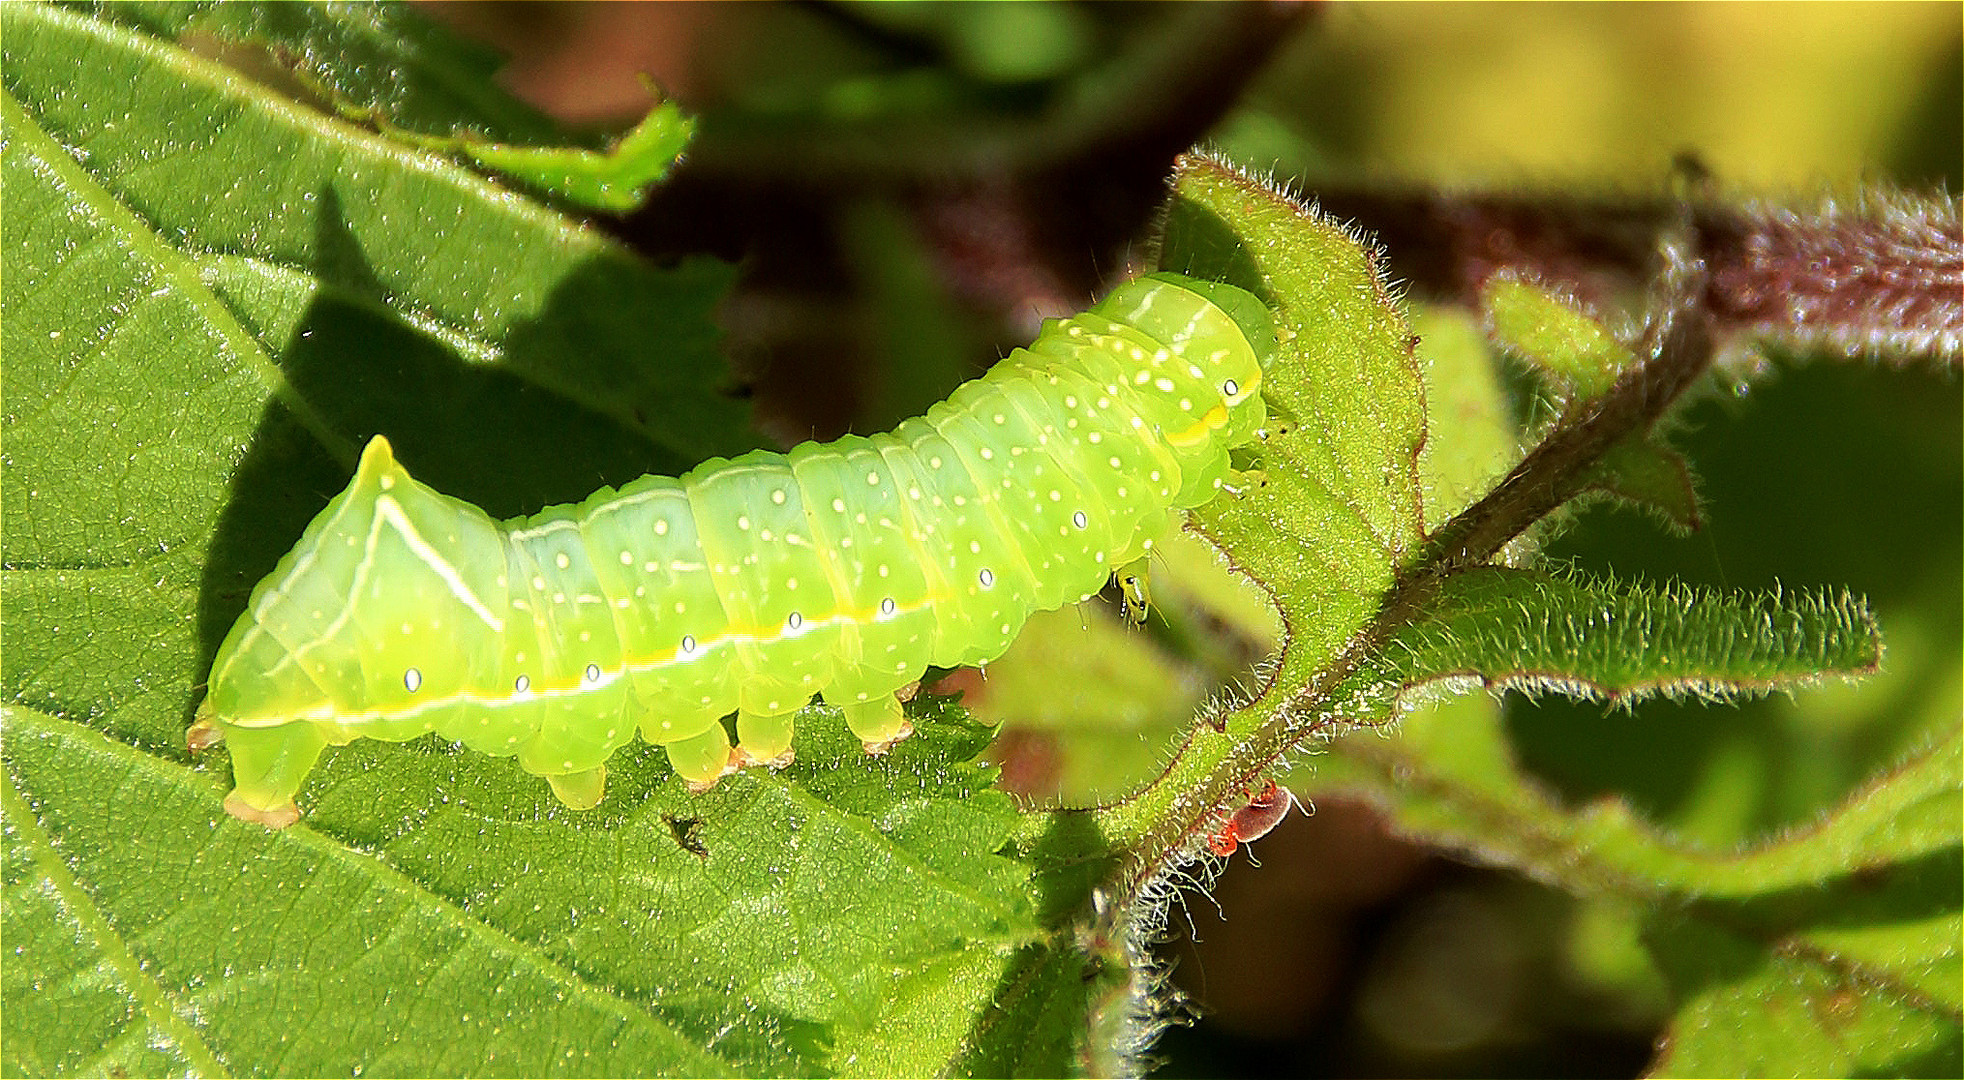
x: 1202, y: 384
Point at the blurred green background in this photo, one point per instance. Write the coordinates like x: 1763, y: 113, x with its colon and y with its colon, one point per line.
x: 910, y: 186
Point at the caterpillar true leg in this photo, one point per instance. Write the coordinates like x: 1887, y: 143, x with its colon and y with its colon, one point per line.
x: 1136, y: 592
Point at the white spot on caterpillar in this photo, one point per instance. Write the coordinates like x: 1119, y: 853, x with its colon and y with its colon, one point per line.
x: 777, y: 496
x: 563, y: 561
x: 388, y: 483
x: 999, y: 418
x: 934, y: 462
x: 1078, y: 519
x: 661, y: 526
x: 974, y: 547
x: 407, y: 629
x: 764, y: 534
x: 593, y: 675
x: 790, y: 583
x: 651, y: 566
x: 523, y: 683
x: 872, y: 479
x: 559, y: 598
x: 1055, y: 495
x: 838, y: 506
x: 1115, y: 462
x: 1186, y: 404
x: 988, y: 579
x: 621, y: 603
x: 988, y: 454
x: 627, y: 557
x: 412, y: 680
x: 538, y: 582
x: 1194, y: 370
x: 1230, y: 388
x: 882, y: 570
x: 743, y: 522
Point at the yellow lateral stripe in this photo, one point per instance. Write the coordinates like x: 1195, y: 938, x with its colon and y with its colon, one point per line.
x: 1215, y: 419
x: 327, y: 714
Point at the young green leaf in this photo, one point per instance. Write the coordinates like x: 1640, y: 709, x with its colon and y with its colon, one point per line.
x: 1562, y: 343
x: 1339, y: 510
x: 1603, y: 639
x: 615, y: 179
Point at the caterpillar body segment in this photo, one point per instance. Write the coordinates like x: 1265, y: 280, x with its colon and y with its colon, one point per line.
x: 748, y: 585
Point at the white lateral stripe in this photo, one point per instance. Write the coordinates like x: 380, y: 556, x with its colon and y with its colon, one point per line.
x: 392, y: 512
x: 548, y: 527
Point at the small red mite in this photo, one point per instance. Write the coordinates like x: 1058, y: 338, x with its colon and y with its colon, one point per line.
x: 1252, y: 822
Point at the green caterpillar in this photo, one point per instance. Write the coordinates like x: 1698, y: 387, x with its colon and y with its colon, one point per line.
x: 841, y: 568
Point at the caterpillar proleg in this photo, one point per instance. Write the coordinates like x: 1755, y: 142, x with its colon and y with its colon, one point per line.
x: 750, y: 585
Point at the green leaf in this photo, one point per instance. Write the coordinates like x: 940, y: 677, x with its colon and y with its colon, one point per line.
x: 1828, y: 950
x: 1652, y: 477
x: 1325, y: 534
x: 1563, y: 343
x: 1604, y: 639
x: 471, y: 926
x: 1470, y: 439
x: 192, y: 366
x: 375, y: 61
x: 616, y: 179
x: 1339, y: 509
x: 1857, y: 979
